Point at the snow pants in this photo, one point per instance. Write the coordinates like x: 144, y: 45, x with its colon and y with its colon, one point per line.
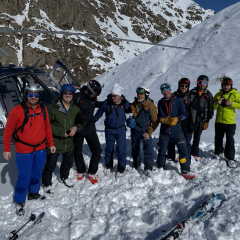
x: 50, y: 165
x: 95, y: 148
x: 229, y: 130
x: 196, y: 138
x: 29, y: 173
x: 136, y: 138
x: 180, y: 141
x: 171, y: 146
x: 120, y: 136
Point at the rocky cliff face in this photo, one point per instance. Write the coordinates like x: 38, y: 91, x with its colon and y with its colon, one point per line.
x: 141, y: 20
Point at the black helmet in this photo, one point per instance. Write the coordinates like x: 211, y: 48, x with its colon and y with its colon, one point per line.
x: 203, y: 77
x: 94, y: 87
x: 226, y: 80
x: 184, y: 80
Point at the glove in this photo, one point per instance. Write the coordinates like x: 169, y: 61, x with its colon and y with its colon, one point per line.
x: 190, y: 130
x: 174, y: 121
x: 205, y: 126
x: 79, y: 119
x: 166, y: 120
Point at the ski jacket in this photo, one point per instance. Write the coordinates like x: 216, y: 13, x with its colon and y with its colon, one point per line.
x: 60, y: 122
x: 87, y: 106
x: 176, y: 109
x: 115, y: 114
x: 186, y: 101
x: 201, y: 107
x: 226, y: 114
x: 147, y: 121
x: 35, y: 131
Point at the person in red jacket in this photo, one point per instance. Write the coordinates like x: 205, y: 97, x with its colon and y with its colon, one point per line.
x: 29, y: 124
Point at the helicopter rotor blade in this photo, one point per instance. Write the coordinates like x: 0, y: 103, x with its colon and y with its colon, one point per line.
x: 3, y: 53
x: 86, y: 35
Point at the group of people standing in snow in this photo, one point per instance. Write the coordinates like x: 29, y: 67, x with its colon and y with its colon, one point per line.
x: 70, y: 119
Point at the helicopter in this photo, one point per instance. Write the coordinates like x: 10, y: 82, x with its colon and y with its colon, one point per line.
x: 13, y: 80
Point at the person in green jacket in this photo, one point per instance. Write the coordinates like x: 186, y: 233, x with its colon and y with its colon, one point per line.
x: 65, y: 119
x: 225, y: 102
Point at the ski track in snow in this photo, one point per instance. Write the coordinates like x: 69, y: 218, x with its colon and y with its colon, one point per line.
x: 134, y: 206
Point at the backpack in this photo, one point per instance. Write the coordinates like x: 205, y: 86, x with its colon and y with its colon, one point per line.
x: 25, y: 121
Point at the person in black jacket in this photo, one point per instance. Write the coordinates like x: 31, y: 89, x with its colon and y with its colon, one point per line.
x: 201, y: 112
x: 86, y: 100
x: 183, y: 93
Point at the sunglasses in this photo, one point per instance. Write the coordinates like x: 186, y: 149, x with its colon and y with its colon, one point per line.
x: 226, y: 81
x: 36, y: 95
x: 68, y: 93
x: 184, y: 85
x: 140, y: 90
x: 205, y: 83
x: 114, y: 96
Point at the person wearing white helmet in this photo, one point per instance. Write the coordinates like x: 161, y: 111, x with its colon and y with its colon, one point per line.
x: 115, y: 107
x: 145, y: 115
x: 29, y: 124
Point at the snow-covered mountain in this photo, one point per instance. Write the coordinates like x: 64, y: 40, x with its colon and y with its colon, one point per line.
x: 140, y: 20
x: 134, y: 206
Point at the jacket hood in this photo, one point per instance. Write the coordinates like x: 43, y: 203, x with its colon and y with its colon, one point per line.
x: 146, y: 104
x: 57, y: 105
x: 233, y: 90
x: 109, y: 99
x: 195, y: 90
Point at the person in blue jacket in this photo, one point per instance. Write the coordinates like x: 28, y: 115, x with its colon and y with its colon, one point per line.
x: 171, y: 112
x: 114, y: 108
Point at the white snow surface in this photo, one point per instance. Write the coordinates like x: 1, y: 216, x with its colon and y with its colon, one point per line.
x: 135, y: 206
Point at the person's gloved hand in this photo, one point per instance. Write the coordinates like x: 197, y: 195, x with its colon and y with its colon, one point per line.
x: 166, y: 120
x: 174, y: 121
x: 190, y: 130
x: 205, y: 126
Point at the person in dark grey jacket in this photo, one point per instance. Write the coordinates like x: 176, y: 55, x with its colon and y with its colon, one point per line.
x: 86, y: 100
x: 201, y: 112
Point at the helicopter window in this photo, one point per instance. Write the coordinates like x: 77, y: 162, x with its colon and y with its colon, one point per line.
x: 45, y: 79
x: 61, y: 76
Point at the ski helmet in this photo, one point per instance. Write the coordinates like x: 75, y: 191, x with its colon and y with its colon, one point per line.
x: 165, y: 86
x: 94, y: 87
x: 203, y: 78
x: 184, y: 80
x: 32, y: 87
x: 226, y: 81
x: 144, y: 90
x: 67, y: 87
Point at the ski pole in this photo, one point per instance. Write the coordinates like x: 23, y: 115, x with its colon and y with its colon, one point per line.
x: 13, y: 235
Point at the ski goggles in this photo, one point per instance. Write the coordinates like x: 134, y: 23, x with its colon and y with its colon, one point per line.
x: 165, y: 87
x: 114, y: 96
x: 36, y: 95
x: 202, y: 82
x: 227, y: 81
x: 67, y: 93
x: 140, y: 90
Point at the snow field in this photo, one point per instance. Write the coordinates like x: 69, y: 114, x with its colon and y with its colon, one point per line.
x: 134, y: 206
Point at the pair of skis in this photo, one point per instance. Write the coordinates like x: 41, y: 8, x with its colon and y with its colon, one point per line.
x: 14, y: 234
x: 213, y: 202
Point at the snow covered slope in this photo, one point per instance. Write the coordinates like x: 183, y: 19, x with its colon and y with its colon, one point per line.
x: 215, y: 51
x: 136, y: 207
